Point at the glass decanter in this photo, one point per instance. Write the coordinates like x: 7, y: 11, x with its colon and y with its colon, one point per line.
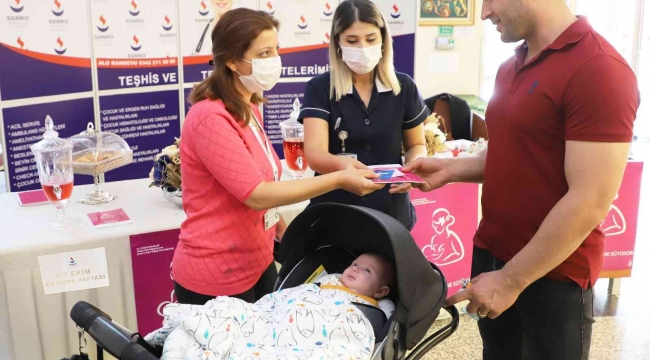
x: 54, y: 162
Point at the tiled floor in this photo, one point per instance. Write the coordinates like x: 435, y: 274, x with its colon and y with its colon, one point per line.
x: 621, y: 330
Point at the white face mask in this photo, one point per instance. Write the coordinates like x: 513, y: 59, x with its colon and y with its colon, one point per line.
x: 361, y: 60
x: 266, y: 73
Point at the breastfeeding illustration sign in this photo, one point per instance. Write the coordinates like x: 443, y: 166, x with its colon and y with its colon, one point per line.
x: 447, y: 221
x: 151, y: 257
x: 620, y: 224
x: 135, y: 43
x: 44, y: 48
x: 198, y: 18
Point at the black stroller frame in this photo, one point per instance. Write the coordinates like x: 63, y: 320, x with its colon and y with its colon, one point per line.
x: 329, y: 236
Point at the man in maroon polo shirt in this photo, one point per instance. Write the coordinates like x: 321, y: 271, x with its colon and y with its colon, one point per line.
x: 560, y: 124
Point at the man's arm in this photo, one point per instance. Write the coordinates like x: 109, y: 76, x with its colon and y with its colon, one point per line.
x: 594, y: 171
x: 440, y: 172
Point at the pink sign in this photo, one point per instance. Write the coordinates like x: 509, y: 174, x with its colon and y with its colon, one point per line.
x: 151, y: 256
x: 109, y: 218
x: 447, y: 222
x: 33, y: 197
x: 621, y: 222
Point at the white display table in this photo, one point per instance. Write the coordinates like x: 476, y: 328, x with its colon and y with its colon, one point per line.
x: 36, y: 326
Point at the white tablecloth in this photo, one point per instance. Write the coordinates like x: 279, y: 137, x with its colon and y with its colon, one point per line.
x: 36, y: 326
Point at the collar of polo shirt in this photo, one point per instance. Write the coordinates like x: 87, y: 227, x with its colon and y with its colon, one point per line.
x: 380, y: 87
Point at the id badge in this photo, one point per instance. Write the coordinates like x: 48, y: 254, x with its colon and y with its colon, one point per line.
x: 271, y: 217
x: 352, y: 156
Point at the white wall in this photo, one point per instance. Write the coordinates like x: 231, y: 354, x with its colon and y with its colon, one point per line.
x: 467, y: 80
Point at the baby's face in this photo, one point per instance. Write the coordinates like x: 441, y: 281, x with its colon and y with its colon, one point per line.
x: 365, y: 276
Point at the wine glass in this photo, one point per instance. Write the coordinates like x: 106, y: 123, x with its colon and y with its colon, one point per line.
x: 54, y: 162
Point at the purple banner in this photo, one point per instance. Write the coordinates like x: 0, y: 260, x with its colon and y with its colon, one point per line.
x: 25, y: 125
x: 153, y: 285
x: 278, y: 107
x: 26, y: 74
x: 194, y: 73
x: 186, y: 100
x: 305, y: 63
x: 148, y: 122
x: 121, y: 78
x: 404, y: 54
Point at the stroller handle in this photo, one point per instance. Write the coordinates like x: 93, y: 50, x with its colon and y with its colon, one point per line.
x: 437, y: 337
x: 107, y: 334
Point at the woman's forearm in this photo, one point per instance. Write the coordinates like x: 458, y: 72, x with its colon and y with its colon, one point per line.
x: 323, y: 162
x: 270, y: 194
x: 415, y: 152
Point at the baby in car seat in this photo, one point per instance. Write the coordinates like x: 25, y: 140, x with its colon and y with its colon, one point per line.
x: 368, y: 280
x: 310, y: 321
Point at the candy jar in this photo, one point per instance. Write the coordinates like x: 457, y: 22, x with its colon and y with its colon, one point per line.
x: 293, y: 143
x: 53, y: 157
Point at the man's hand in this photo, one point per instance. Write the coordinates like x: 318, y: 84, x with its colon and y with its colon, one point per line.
x: 489, y: 295
x: 432, y: 170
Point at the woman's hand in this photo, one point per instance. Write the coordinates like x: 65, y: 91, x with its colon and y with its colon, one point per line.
x: 351, y: 164
x: 400, y: 188
x: 358, y: 181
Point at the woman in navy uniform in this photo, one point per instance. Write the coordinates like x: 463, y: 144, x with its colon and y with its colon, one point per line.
x: 362, y: 111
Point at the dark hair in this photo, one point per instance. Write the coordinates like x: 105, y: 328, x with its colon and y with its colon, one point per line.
x: 231, y: 37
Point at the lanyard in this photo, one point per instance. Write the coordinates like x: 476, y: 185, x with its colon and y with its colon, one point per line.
x: 266, y: 147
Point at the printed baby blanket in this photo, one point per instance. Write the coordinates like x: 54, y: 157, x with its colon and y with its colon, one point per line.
x: 304, y: 322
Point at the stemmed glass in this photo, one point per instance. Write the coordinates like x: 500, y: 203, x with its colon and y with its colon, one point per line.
x: 54, y: 162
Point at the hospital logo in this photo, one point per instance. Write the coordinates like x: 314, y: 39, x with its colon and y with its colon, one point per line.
x: 328, y: 9
x: 137, y: 45
x: 203, y: 8
x: 134, y: 10
x: 395, y: 13
x: 167, y: 24
x: 18, y: 6
x: 302, y: 24
x: 60, y: 48
x: 269, y: 8
x: 57, y: 8
x: 20, y: 42
x: 103, y: 26
x: 327, y: 38
x: 72, y: 262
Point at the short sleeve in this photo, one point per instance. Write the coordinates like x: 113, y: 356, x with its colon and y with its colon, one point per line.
x: 416, y: 110
x: 601, y: 102
x: 316, y: 101
x: 220, y: 147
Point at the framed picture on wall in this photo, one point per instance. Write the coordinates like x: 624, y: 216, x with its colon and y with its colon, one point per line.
x: 446, y: 12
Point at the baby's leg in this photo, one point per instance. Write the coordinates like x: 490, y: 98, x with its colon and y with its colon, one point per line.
x: 176, y: 345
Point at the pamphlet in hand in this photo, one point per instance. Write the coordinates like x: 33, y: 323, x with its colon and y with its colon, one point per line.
x: 31, y: 198
x: 109, y: 218
x: 390, y: 174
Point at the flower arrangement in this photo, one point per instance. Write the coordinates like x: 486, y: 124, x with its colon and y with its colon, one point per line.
x: 434, y: 136
x: 166, y: 171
